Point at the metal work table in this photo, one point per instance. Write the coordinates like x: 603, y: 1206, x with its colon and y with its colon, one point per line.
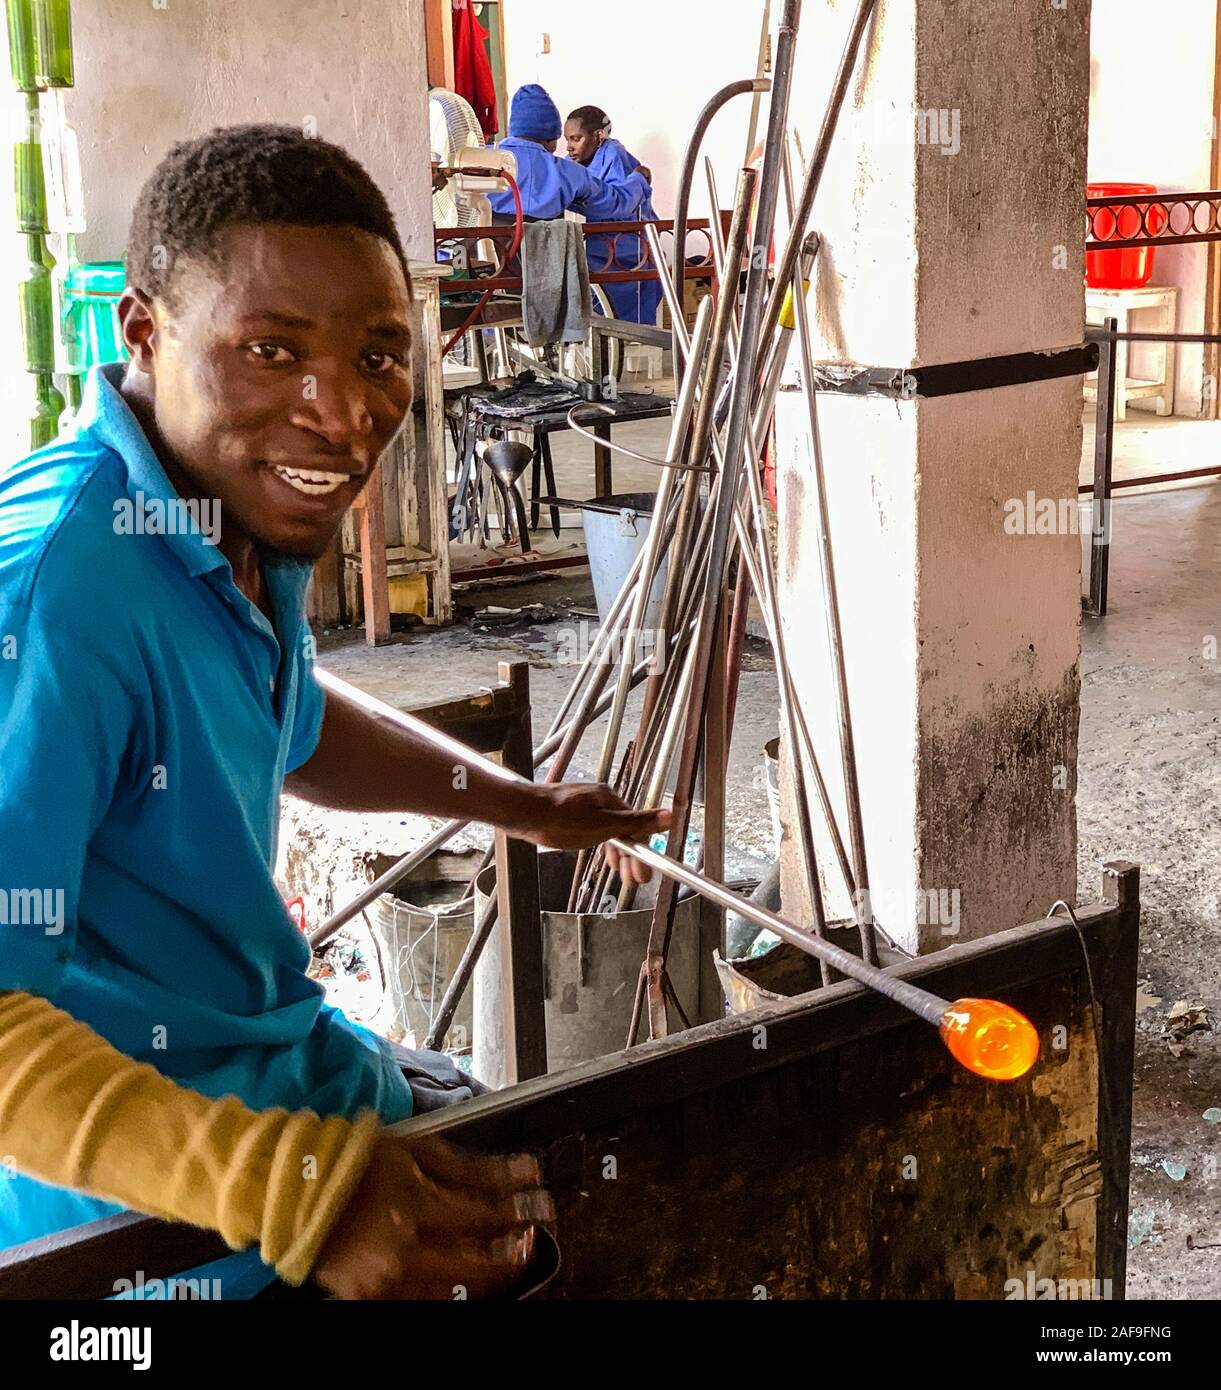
x: 628, y: 408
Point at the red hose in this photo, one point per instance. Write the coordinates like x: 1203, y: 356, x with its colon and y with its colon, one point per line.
x: 518, y: 231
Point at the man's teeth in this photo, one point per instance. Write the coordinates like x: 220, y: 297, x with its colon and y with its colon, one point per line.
x: 310, y: 483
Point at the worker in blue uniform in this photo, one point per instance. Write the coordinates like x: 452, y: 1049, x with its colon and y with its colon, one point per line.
x: 550, y: 187
x: 587, y: 133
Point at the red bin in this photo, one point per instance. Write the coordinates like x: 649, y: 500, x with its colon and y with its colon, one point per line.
x: 1132, y: 268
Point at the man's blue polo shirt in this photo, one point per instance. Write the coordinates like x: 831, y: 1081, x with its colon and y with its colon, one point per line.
x: 148, y: 715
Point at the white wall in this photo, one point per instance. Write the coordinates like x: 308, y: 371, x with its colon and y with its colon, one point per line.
x: 148, y: 76
x: 651, y: 70
x: 1151, y: 121
x: 656, y: 65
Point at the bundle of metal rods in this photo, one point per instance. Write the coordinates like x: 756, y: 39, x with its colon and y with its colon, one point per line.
x: 730, y: 369
x: 710, y: 530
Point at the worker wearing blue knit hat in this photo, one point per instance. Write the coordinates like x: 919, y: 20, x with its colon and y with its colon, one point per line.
x: 550, y: 187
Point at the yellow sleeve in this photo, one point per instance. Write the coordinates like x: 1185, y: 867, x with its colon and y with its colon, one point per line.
x: 77, y: 1113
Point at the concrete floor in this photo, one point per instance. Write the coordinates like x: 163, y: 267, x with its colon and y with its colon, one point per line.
x: 1150, y: 791
x: 1146, y: 444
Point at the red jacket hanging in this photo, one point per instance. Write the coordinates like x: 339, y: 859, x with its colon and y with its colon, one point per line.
x: 472, y: 68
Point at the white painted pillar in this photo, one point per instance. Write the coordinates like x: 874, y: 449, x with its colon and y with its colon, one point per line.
x: 952, y: 218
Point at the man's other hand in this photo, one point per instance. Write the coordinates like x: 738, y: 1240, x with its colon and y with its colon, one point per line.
x: 431, y: 1221
x: 576, y: 815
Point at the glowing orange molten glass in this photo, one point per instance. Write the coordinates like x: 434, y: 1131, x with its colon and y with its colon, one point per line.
x: 990, y: 1038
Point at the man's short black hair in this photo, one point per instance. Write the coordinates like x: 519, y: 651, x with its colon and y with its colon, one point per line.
x: 246, y: 173
x: 591, y: 118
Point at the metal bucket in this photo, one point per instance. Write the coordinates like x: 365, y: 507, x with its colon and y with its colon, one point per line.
x: 784, y: 971
x: 421, y: 930
x: 590, y: 964
x: 615, y: 532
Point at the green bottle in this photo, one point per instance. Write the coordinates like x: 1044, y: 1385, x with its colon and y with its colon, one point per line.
x: 21, y: 44
x: 53, y: 43
x: 48, y: 407
x: 76, y: 390
x: 37, y: 310
x: 29, y: 173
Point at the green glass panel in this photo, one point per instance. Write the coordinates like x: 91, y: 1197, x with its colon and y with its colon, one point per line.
x: 36, y: 304
x: 53, y: 42
x: 49, y: 406
x: 30, y: 184
x: 21, y: 43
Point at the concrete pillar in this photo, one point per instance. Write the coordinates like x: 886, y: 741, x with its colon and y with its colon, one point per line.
x: 952, y: 218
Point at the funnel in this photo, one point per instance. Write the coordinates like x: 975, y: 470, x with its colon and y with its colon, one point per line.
x: 508, y: 460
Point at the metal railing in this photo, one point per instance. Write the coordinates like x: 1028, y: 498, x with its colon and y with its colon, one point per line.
x: 1118, y: 224
x: 698, y: 267
x: 1154, y: 219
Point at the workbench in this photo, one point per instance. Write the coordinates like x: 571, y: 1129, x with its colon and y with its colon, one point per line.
x: 628, y: 407
x: 827, y: 1147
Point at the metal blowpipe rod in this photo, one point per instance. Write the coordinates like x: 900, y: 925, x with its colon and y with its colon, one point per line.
x: 927, y: 1006
x: 987, y: 1037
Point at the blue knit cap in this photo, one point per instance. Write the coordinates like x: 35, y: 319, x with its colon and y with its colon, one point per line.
x: 534, y: 116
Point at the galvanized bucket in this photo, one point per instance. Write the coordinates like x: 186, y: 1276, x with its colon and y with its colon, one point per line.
x: 421, y: 931
x: 783, y: 971
x: 591, y: 965
x: 615, y: 532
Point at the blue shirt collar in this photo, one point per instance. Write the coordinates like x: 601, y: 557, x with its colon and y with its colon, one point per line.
x: 106, y: 417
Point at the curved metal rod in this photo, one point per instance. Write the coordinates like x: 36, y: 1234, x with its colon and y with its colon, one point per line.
x: 687, y: 178
x: 621, y: 449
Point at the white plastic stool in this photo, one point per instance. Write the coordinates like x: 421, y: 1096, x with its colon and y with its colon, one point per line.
x: 1161, y: 300
x: 643, y: 357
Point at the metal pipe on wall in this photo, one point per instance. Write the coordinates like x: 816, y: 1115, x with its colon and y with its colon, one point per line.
x: 683, y: 200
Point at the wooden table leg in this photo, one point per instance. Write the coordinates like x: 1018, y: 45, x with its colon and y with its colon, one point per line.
x: 1170, y: 356
x: 375, y: 583
x: 519, y: 913
x: 1122, y: 352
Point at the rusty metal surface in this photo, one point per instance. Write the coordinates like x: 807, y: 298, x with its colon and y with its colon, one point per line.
x: 778, y: 1146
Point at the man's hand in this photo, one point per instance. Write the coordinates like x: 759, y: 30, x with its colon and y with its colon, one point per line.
x: 365, y: 763
x: 431, y: 1221
x: 645, y: 173
x: 576, y: 815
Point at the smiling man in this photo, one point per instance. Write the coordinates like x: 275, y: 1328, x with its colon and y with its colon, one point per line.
x: 161, y: 1047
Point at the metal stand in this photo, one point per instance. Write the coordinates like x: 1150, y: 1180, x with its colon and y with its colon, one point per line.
x: 1104, y: 448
